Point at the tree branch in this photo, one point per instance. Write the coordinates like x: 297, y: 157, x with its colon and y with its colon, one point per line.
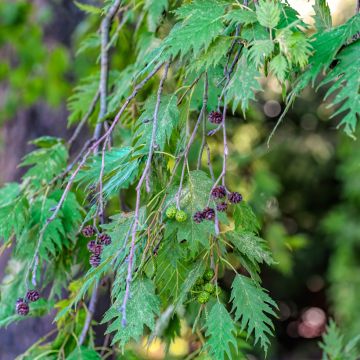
x: 104, y: 69
x: 90, y: 314
x: 191, y: 140
x: 138, y: 195
x: 103, y: 85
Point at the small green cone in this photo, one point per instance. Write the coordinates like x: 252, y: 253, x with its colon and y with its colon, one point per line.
x: 209, y: 274
x: 180, y: 216
x: 210, y: 288
x: 171, y: 212
x: 203, y: 297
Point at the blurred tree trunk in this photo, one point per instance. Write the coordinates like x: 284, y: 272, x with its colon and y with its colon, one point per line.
x: 29, y: 124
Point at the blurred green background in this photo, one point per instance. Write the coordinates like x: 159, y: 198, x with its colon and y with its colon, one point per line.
x: 305, y: 187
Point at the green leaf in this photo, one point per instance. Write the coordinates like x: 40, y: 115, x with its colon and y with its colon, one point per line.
x: 80, y: 101
x: 46, y: 163
x: 155, y: 9
x: 122, y: 82
x: 171, y: 272
x: 14, y: 211
x: 195, y: 273
x: 346, y: 86
x: 252, y: 306
x: 71, y: 213
x: 326, y: 45
x: 278, y: 66
x: 260, y: 50
x: 92, y: 41
x: 83, y: 353
x: 53, y: 238
x: 241, y: 16
x: 243, y: 84
x: 245, y: 219
x: 120, y: 169
x: 45, y: 141
x: 220, y: 330
x: 322, y: 15
x: 254, y: 247
x: 141, y: 310
x: 290, y: 18
x: 295, y: 46
x: 90, y: 278
x: 254, y: 32
x: 90, y: 9
x: 168, y: 118
x: 332, y: 342
x: 213, y: 56
x: 200, y: 17
x: 194, y: 197
x: 268, y: 13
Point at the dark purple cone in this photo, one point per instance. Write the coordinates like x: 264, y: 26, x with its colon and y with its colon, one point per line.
x: 105, y: 239
x: 222, y: 207
x: 198, y: 217
x: 235, y: 197
x: 91, y: 245
x: 22, y: 308
x: 209, y: 213
x: 19, y: 301
x: 33, y: 295
x: 88, y: 231
x: 94, y: 260
x: 97, y: 250
x: 215, y: 117
x: 218, y: 192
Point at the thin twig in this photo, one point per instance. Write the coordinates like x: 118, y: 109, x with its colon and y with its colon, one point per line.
x: 225, y: 153
x: 101, y: 176
x: 93, y: 144
x: 119, y: 27
x: 103, y: 85
x: 191, y: 140
x: 137, y: 88
x: 138, y: 195
x: 226, y: 149
x: 90, y: 314
x: 104, y: 69
x: 189, y: 88
x: 203, y: 142
x: 230, y: 51
x: 230, y: 71
x: 209, y: 162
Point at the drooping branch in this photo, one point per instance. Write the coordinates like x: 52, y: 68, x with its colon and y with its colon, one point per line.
x: 138, y: 195
x: 94, y: 144
x: 90, y: 314
x: 192, y: 138
x: 91, y: 145
x: 103, y: 86
x: 104, y: 67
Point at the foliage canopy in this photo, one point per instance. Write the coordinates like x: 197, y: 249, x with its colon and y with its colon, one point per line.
x: 190, y: 61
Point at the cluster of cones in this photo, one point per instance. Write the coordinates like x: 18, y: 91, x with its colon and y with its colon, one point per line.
x: 96, y: 246
x: 218, y: 193
x: 22, y: 304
